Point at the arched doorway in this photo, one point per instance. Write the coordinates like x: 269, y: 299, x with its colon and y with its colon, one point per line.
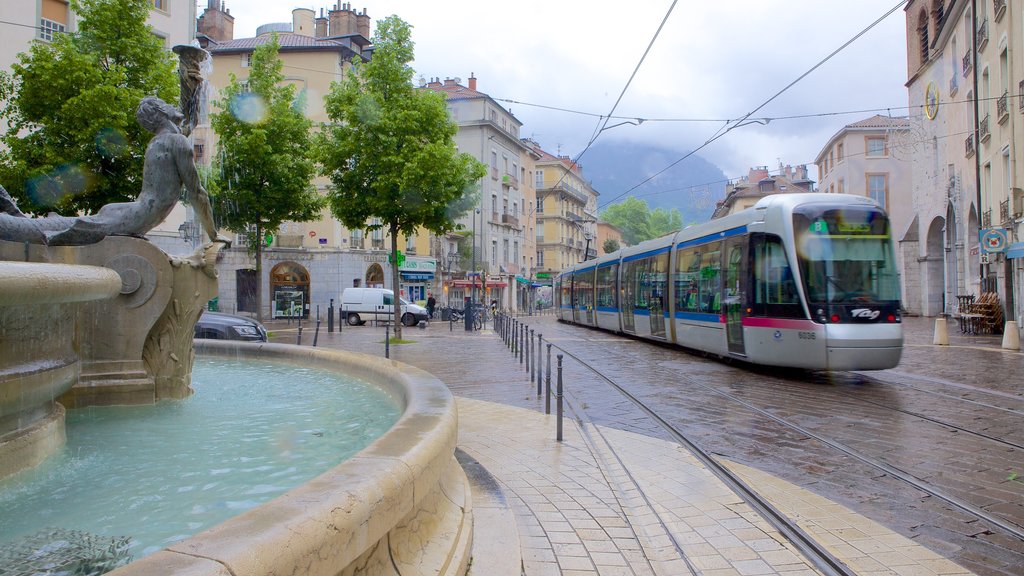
x: 289, y: 290
x: 934, y: 268
x: 375, y: 276
x: 954, y: 261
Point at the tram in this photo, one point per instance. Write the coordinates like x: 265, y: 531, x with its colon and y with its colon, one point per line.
x: 798, y: 280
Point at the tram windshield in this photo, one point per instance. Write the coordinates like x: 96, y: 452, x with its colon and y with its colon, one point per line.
x: 845, y: 254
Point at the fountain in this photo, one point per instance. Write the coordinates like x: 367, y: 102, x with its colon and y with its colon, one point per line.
x: 92, y: 314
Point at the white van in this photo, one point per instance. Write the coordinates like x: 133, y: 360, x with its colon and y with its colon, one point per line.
x: 358, y: 305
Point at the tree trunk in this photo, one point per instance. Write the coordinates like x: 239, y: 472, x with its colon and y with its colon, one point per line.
x: 396, y: 279
x: 259, y: 271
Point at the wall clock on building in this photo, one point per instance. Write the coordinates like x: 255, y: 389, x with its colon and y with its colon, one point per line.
x: 931, y: 101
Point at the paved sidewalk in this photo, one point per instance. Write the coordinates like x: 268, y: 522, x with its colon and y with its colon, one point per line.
x: 609, y: 502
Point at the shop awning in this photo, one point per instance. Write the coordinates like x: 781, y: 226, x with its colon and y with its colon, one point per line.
x: 1015, y: 250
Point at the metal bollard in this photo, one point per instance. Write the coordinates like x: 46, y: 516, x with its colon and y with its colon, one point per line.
x: 547, y: 385
x: 330, y: 317
x: 316, y: 333
x: 522, y: 342
x: 529, y: 346
x: 558, y: 400
x: 515, y: 336
x: 538, y: 363
x: 299, y: 337
x: 387, y: 341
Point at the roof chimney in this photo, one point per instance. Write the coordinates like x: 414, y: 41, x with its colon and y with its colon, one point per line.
x: 472, y: 81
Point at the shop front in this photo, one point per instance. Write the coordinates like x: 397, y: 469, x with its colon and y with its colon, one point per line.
x: 417, y: 277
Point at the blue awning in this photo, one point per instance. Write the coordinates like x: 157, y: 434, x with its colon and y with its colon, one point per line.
x: 1015, y: 250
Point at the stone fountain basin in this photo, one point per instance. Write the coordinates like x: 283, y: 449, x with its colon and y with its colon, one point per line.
x: 399, y: 506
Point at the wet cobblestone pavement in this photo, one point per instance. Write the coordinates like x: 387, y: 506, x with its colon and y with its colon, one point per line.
x: 948, y: 417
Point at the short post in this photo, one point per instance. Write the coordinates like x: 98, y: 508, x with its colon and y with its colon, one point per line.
x: 529, y: 346
x: 941, y: 335
x: 547, y: 384
x: 330, y: 317
x: 341, y: 320
x: 1011, y: 338
x: 316, y: 333
x: 450, y: 323
x: 515, y: 336
x: 539, y: 363
x: 298, y: 340
x: 558, y: 400
x: 522, y: 341
x: 387, y: 341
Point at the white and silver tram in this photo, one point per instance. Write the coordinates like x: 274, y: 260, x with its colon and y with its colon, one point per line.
x: 798, y: 280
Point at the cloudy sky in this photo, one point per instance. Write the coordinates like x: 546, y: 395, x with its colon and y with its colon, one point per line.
x: 560, y: 66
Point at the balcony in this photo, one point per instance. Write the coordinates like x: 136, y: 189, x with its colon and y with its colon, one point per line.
x: 494, y: 172
x: 999, y: 8
x: 1002, y: 110
x: 510, y: 181
x: 969, y: 146
x: 986, y: 218
x: 967, y: 63
x: 510, y: 220
x: 356, y: 243
x: 983, y: 132
x: 982, y: 35
x: 1004, y: 211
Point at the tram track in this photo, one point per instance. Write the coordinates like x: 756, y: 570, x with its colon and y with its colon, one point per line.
x: 1008, y: 527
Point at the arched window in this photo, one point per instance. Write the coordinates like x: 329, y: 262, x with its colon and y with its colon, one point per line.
x: 922, y: 33
x: 938, y: 12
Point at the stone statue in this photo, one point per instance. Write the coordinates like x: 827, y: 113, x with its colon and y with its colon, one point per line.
x: 192, y: 83
x: 168, y: 166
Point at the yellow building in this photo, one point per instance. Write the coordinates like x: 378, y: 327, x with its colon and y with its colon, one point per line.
x: 566, y: 213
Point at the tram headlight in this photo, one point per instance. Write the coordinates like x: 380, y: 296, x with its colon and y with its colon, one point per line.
x: 822, y: 318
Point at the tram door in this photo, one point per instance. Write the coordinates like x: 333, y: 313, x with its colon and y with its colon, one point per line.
x: 734, y: 293
x: 628, y: 287
x: 656, y: 275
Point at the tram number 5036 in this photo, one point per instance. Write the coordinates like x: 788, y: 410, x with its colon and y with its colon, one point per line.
x: 807, y: 335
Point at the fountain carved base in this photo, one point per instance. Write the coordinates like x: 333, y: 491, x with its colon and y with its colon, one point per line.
x: 108, y: 323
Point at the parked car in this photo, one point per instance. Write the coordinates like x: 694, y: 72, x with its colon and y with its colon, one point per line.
x: 358, y: 305
x: 219, y: 326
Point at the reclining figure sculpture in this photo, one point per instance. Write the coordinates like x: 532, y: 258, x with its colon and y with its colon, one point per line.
x: 168, y: 166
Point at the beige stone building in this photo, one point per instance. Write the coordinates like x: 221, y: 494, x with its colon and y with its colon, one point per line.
x: 605, y: 232
x: 867, y: 158
x: 566, y: 213
x: 965, y: 75
x: 759, y: 182
x: 501, y: 227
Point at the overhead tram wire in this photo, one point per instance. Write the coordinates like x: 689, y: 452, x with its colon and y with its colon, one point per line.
x: 732, y: 125
x: 607, y: 117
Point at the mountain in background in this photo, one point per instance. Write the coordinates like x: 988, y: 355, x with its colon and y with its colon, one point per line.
x: 691, y: 186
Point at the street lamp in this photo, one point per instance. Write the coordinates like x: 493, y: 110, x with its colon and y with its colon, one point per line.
x: 586, y: 251
x: 472, y: 277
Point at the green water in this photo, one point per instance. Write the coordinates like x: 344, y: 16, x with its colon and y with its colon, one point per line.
x: 159, y: 474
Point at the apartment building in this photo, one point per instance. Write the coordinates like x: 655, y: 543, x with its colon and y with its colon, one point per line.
x: 965, y: 78
x: 566, y: 213
x: 872, y: 158
x: 502, y: 225
x: 759, y: 182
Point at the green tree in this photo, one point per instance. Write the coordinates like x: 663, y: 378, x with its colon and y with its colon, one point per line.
x: 390, y: 151
x: 663, y: 221
x: 639, y: 223
x: 610, y: 245
x: 74, y: 144
x: 262, y: 171
x: 632, y: 217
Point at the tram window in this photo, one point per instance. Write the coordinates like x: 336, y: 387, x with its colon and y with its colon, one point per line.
x: 606, y: 286
x: 775, y: 291
x: 710, y: 290
x: 687, y: 281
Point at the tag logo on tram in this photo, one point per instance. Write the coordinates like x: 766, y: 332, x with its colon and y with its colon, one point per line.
x: 865, y: 313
